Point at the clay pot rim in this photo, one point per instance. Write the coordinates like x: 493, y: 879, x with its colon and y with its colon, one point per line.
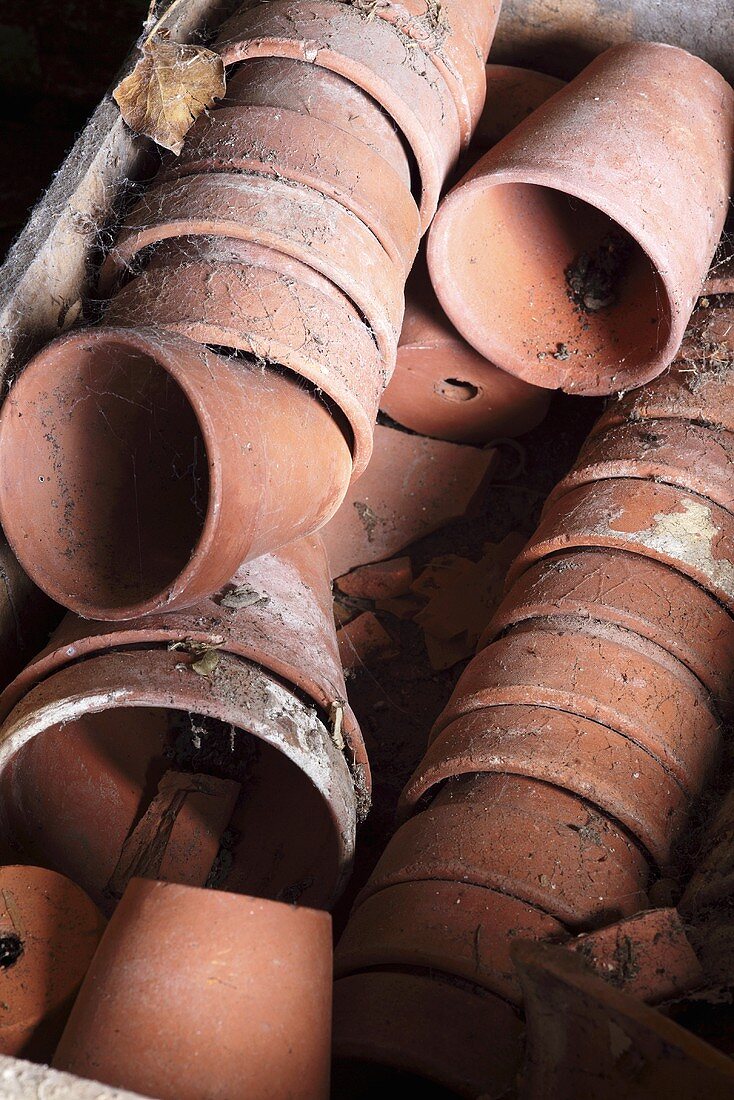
x: 387, y: 234
x: 254, y: 709
x: 407, y: 120
x: 156, y: 345
x: 136, y: 239
x: 451, y: 300
x: 426, y: 781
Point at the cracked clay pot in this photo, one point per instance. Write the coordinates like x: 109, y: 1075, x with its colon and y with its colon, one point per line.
x: 599, y: 765
x: 158, y: 468
x: 531, y: 841
x: 289, y: 146
x: 640, y: 594
x: 49, y: 931
x: 284, y: 216
x: 605, y: 674
x: 198, y: 993
x: 442, y: 387
x: 234, y: 294
x: 315, y: 92
x: 571, y: 261
x: 373, y: 55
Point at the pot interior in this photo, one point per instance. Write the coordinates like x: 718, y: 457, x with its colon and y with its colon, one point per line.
x: 108, y: 474
x: 73, y: 794
x: 558, y: 284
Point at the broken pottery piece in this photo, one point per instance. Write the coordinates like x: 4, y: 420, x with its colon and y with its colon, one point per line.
x: 379, y: 581
x: 49, y: 931
x: 412, y: 486
x: 196, y: 993
x: 365, y: 642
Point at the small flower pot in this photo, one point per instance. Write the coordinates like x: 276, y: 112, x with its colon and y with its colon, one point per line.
x: 441, y: 387
x: 158, y: 468
x: 375, y: 57
x: 452, y: 928
x: 512, y: 95
x: 280, y: 215
x: 585, y: 758
x: 605, y: 674
x: 315, y: 92
x: 576, y: 263
x: 286, y: 145
x: 196, y: 993
x: 663, y: 522
x: 693, y: 456
x: 114, y: 724
x: 494, y: 831
x: 233, y: 294
x: 49, y: 931
x: 423, y: 1028
x: 640, y: 594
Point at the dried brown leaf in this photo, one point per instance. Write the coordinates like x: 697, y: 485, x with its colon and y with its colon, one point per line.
x: 169, y: 88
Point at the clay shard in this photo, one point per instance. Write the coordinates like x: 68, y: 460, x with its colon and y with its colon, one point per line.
x: 364, y: 641
x: 171, y: 85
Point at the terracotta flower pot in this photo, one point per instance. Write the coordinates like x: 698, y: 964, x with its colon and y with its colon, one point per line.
x: 82, y: 754
x: 512, y: 95
x: 452, y: 928
x: 286, y: 145
x: 158, y: 468
x: 585, y: 758
x: 374, y: 56
x: 441, y: 387
x: 49, y: 931
x: 663, y: 522
x: 197, y: 993
x: 605, y: 674
x: 422, y: 1028
x: 27, y: 616
x: 239, y: 295
x: 495, y: 831
x: 575, y: 263
x: 288, y: 218
x: 692, y: 456
x: 315, y: 92
x: 639, y: 594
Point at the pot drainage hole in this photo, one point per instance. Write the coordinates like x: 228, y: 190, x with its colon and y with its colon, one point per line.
x: 11, y: 948
x: 453, y: 389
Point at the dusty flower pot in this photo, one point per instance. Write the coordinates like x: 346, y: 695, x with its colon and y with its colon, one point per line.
x: 113, y: 725
x: 495, y: 831
x: 512, y: 95
x: 288, y: 218
x: 663, y: 522
x: 49, y: 931
x: 248, y: 1012
x: 314, y: 92
x: 692, y: 456
x: 158, y: 468
x: 421, y: 1029
x: 374, y: 56
x: 233, y: 294
x: 452, y: 928
x: 605, y: 674
x: 639, y: 594
x: 585, y: 758
x: 289, y: 146
x: 441, y: 387
x: 568, y: 262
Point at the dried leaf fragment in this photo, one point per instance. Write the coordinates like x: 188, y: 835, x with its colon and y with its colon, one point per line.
x: 206, y: 663
x: 169, y: 88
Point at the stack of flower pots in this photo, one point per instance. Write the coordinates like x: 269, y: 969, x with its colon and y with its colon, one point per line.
x: 561, y: 773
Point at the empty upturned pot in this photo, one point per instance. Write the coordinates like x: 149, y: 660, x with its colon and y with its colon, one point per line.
x: 442, y: 387
x: 195, y: 694
x: 195, y: 994
x: 567, y: 258
x: 157, y: 468
x: 49, y: 931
